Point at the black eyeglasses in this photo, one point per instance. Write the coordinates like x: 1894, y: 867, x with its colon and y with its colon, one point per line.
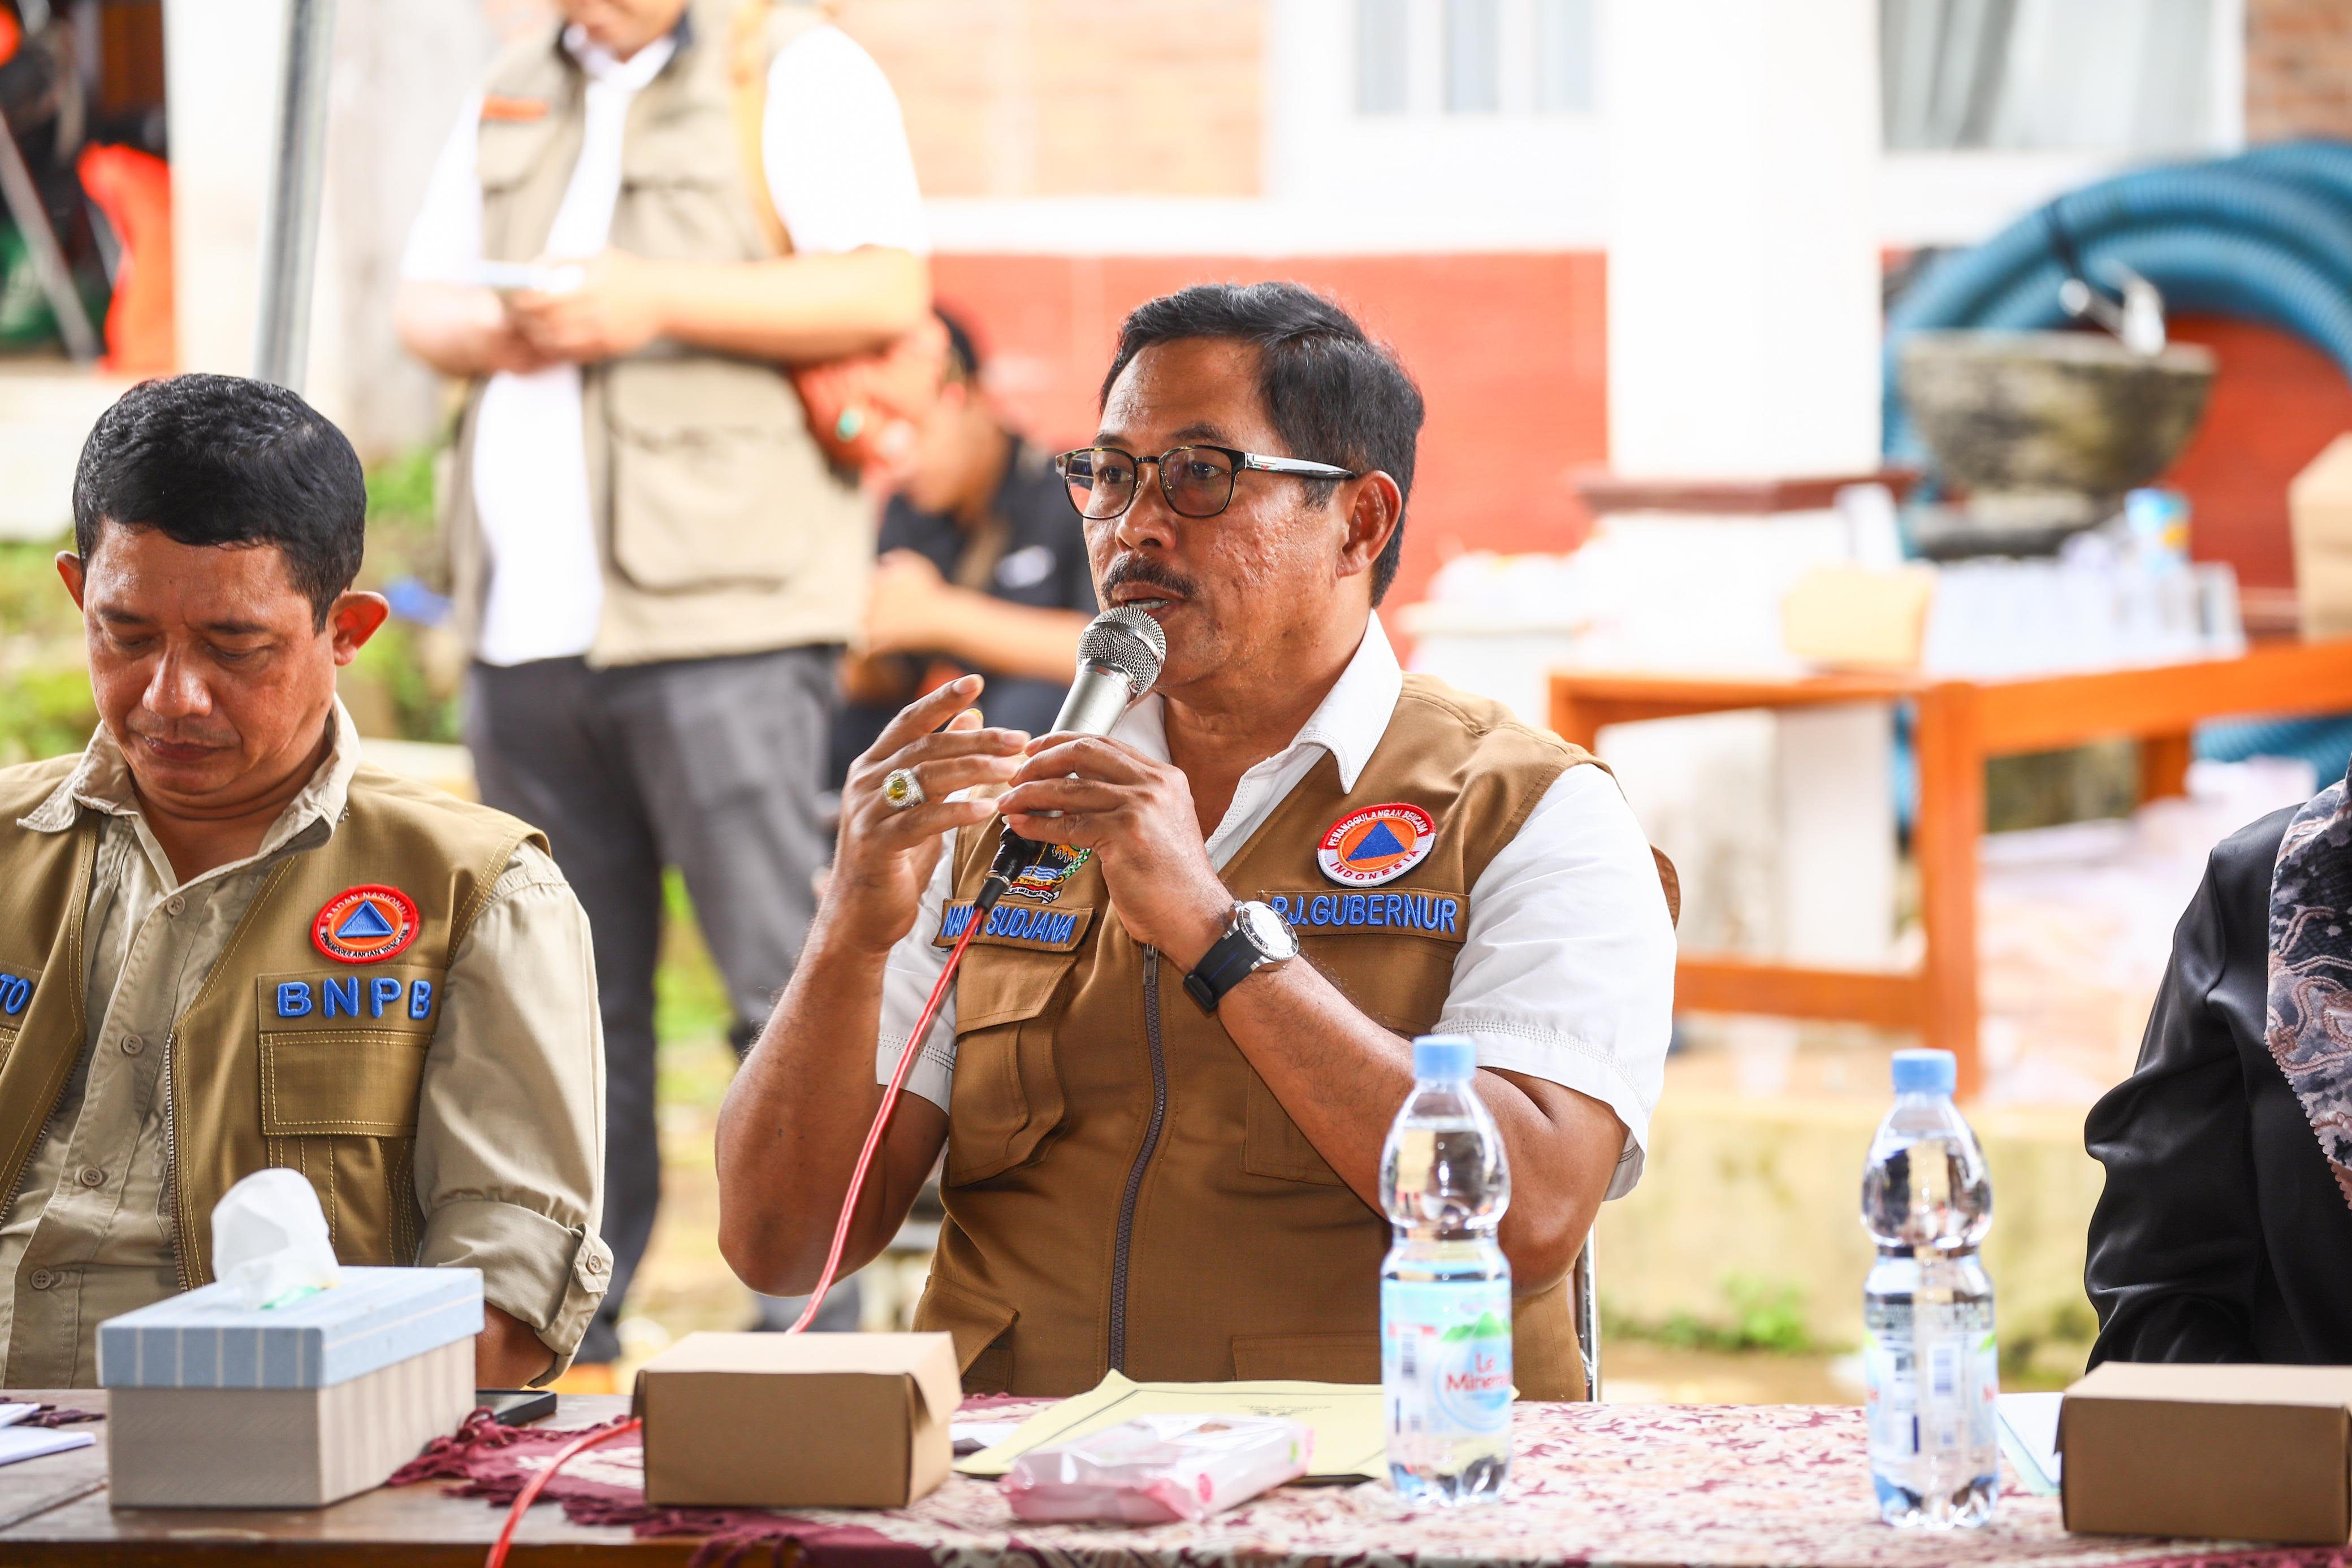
x: 1197, y: 480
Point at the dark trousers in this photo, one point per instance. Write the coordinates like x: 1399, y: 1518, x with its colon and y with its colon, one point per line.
x: 713, y: 766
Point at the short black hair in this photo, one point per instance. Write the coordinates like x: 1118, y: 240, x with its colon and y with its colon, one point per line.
x: 963, y: 354
x: 1334, y: 394
x: 222, y: 460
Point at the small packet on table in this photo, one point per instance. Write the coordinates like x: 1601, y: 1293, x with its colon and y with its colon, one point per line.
x: 1157, y: 1469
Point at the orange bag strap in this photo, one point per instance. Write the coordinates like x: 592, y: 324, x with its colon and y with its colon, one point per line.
x: 749, y: 56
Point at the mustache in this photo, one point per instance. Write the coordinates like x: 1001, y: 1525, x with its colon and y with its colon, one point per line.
x: 1149, y: 573
x: 182, y: 733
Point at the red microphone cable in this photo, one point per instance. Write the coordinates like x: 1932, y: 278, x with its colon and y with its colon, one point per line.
x: 980, y: 909
x: 990, y: 890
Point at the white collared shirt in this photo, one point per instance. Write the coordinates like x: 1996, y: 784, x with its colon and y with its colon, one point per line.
x: 1567, y: 966
x: 839, y: 171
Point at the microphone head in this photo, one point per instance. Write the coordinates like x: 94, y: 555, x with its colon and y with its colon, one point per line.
x: 1127, y: 640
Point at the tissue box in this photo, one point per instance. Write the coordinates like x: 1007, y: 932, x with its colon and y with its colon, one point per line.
x: 207, y: 1339
x: 2245, y: 1453
x: 830, y: 1420
x: 215, y: 1405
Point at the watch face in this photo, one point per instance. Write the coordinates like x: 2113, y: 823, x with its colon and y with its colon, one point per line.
x: 1268, y: 932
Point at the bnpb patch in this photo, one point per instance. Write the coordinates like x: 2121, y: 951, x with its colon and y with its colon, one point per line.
x: 365, y: 925
x: 1376, y: 844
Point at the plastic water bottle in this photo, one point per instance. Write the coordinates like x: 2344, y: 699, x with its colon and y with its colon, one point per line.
x: 1929, y: 1355
x: 1446, y: 1287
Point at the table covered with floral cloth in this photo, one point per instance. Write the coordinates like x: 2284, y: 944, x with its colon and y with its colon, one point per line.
x: 1615, y: 1484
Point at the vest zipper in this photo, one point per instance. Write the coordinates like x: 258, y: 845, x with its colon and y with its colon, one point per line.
x: 1143, y: 1158
x: 172, y: 1168
x: 25, y: 1169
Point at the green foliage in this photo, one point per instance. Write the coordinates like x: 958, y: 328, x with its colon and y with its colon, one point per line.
x: 400, y: 492
x: 393, y: 660
x: 45, y: 703
x: 1761, y: 1314
x: 45, y: 713
x: 690, y: 998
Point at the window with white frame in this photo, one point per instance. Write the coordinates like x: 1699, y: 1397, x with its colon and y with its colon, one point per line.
x: 1493, y: 56
x: 2103, y: 76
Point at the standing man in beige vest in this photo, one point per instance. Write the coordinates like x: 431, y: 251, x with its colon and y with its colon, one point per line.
x: 1162, y: 1132
x: 226, y: 943
x: 654, y: 567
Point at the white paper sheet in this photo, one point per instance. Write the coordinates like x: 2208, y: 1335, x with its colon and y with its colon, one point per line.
x: 32, y: 1442
x: 2029, y: 1436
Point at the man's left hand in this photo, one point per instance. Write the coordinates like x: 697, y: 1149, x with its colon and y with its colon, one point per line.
x: 1136, y: 816
x: 616, y: 309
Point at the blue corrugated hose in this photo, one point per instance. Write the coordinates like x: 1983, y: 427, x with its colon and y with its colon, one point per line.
x: 2264, y: 236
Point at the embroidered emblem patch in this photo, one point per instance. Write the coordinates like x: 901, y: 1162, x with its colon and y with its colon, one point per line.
x: 1042, y: 881
x: 364, y: 924
x: 513, y: 109
x: 1376, y: 844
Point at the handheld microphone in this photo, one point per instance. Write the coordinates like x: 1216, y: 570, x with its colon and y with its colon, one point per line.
x: 1120, y: 656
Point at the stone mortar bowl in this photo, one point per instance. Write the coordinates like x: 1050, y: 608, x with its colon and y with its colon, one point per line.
x: 2049, y: 429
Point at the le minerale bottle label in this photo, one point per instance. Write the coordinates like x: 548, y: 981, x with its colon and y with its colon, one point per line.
x: 1445, y: 1348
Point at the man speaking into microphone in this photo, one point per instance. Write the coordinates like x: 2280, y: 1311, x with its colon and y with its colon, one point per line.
x: 1163, y: 1108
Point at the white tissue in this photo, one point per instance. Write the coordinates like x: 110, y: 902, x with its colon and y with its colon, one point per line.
x: 269, y: 1240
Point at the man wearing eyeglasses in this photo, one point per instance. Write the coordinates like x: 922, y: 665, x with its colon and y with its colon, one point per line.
x: 1164, y: 1072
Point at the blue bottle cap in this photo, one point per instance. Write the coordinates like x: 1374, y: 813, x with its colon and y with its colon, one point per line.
x: 1444, y: 1056
x: 1926, y: 1072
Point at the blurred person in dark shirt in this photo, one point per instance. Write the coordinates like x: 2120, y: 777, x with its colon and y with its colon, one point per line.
x: 983, y: 568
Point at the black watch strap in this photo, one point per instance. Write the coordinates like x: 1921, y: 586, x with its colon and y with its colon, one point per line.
x: 1231, y: 960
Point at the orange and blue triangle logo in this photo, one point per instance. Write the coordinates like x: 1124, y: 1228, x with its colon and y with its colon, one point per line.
x: 1376, y: 844
x: 365, y: 925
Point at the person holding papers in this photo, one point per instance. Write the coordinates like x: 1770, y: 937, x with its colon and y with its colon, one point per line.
x: 227, y: 943
x: 1166, y: 1068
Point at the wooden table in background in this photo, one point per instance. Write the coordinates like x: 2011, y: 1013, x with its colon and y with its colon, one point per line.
x: 1960, y: 724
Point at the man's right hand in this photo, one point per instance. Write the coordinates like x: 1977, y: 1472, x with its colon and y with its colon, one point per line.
x: 887, y: 856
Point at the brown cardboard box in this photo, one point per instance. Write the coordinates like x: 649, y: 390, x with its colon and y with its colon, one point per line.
x: 2252, y: 1453
x: 820, y: 1420
x: 282, y: 1448
x: 2319, y: 515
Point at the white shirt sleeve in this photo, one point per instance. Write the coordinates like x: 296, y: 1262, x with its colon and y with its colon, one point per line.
x: 908, y: 976
x: 445, y: 243
x: 836, y: 150
x: 1567, y: 968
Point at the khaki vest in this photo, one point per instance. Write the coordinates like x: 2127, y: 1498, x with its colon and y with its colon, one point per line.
x: 721, y: 528
x: 287, y: 1057
x: 1123, y: 1190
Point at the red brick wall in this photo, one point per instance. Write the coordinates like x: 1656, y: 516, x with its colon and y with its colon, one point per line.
x: 2298, y: 69
x: 1510, y: 351
x: 2276, y: 402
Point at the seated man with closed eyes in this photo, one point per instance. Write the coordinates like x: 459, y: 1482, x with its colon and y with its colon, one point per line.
x: 227, y: 943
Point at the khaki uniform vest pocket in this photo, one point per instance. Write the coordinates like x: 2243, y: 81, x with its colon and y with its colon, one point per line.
x: 508, y: 151
x: 339, y: 1107
x: 703, y: 452
x: 341, y: 1083
x: 1007, y: 1096
x: 983, y: 1348
x: 1272, y: 1145
x: 1308, y: 1357
x: 1398, y: 981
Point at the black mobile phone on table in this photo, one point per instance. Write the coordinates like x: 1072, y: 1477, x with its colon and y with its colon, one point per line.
x: 515, y: 1406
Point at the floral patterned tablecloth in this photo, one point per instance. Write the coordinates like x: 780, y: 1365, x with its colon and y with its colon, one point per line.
x: 1617, y: 1484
